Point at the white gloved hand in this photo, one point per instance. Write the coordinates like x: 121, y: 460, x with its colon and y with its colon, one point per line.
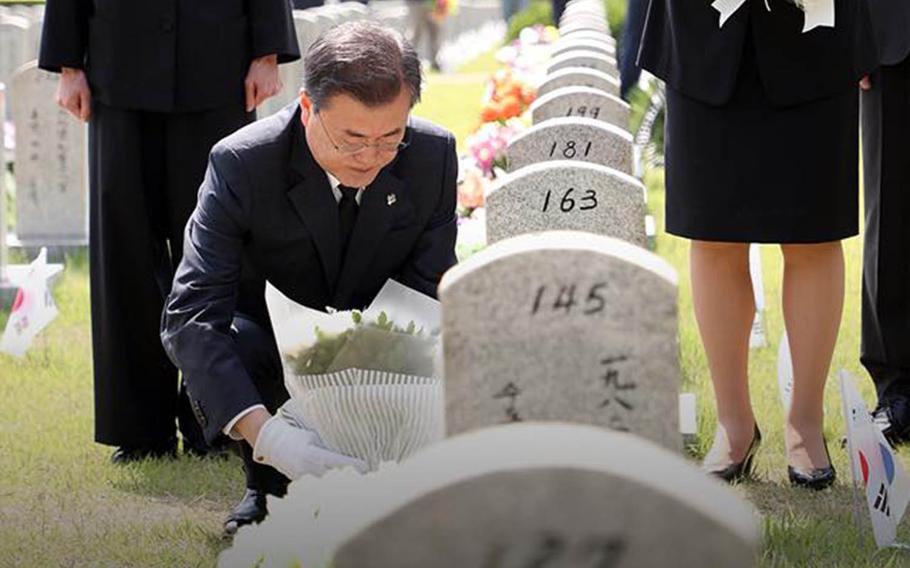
x: 296, y: 451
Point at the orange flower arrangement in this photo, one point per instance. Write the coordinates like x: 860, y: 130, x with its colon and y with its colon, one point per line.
x: 507, y: 97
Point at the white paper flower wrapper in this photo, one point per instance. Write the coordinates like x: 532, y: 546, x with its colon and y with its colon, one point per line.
x: 381, y: 397
x: 372, y: 415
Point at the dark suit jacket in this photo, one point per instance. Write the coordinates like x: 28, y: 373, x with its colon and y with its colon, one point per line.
x: 166, y: 55
x: 266, y: 212
x: 891, y: 20
x: 683, y: 45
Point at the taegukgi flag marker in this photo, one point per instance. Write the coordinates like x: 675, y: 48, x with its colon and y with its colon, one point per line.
x: 33, y: 308
x: 875, y: 466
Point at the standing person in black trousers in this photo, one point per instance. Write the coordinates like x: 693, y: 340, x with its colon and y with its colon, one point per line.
x: 630, y: 43
x: 762, y: 147
x: 159, y: 83
x: 558, y: 7
x: 886, y: 256
x: 422, y: 22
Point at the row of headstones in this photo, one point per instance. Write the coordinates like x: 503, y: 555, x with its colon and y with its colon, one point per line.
x: 561, y: 355
x: 573, y: 169
x: 565, y: 316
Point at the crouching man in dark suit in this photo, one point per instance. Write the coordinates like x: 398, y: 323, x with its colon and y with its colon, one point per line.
x: 326, y: 200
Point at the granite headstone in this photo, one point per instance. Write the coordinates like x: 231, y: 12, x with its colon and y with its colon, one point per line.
x: 571, y: 44
x: 562, y: 326
x: 51, y: 194
x: 585, y: 102
x: 579, y: 77
x: 564, y: 195
x: 518, y: 496
x: 572, y: 138
x: 583, y: 58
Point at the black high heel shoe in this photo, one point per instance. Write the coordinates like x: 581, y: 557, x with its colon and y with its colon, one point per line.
x: 817, y: 479
x: 741, y: 470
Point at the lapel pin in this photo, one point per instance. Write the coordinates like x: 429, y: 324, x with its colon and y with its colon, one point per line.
x: 391, y: 199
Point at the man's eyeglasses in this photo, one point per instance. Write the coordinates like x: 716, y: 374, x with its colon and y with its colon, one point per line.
x: 355, y: 148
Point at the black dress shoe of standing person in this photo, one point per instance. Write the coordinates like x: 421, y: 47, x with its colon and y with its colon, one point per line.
x: 738, y: 471
x: 892, y: 416
x: 166, y: 449
x: 817, y: 479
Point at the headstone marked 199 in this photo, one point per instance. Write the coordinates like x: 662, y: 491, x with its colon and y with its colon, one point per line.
x: 585, y: 102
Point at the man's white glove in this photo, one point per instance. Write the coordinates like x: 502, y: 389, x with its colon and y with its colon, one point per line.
x: 296, y: 451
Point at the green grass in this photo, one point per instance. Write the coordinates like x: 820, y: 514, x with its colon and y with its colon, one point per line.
x: 454, y: 100
x: 801, y: 528
x: 61, y: 503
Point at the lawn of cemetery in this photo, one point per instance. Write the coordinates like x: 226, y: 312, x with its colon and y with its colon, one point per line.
x: 62, y: 503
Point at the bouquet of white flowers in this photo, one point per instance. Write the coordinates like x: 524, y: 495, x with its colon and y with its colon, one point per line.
x: 818, y: 12
x: 366, y: 383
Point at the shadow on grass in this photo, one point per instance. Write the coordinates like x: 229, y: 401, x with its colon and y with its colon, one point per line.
x: 214, y: 483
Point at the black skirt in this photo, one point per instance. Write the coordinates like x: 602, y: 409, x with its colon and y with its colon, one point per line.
x: 750, y: 172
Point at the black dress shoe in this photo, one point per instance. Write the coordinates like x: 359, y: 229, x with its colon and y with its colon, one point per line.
x: 741, y: 470
x: 817, y: 479
x: 251, y: 509
x: 892, y: 416
x: 130, y: 454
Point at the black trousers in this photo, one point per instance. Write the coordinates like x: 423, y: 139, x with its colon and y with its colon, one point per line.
x: 886, y: 258
x: 259, y: 355
x: 145, y: 170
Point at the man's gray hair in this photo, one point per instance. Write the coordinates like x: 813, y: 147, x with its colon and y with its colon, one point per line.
x: 364, y: 60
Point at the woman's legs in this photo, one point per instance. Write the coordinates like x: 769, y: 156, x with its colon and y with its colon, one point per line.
x: 813, y: 299
x: 725, y: 308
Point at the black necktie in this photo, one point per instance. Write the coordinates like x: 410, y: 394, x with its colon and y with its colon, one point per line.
x: 347, y: 216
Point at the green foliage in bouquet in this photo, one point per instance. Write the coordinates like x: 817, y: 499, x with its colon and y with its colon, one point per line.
x: 317, y: 358
x: 379, y: 345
